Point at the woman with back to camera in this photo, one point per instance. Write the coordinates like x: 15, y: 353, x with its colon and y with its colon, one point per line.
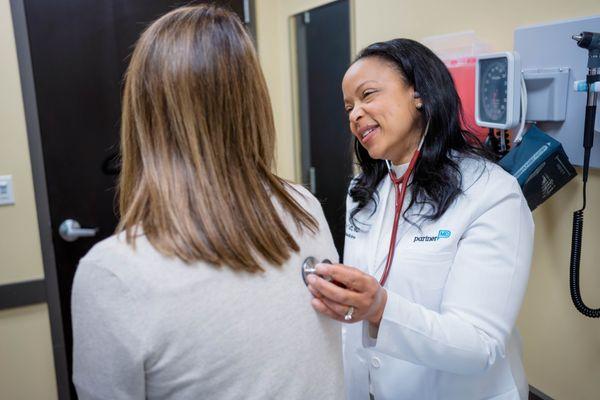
x: 436, y: 269
x: 199, y: 295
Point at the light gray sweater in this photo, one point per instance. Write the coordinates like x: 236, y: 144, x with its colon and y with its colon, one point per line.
x: 147, y: 326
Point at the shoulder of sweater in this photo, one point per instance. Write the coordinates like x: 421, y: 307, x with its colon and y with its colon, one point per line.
x: 115, y: 244
x: 127, y: 261
x: 303, y: 196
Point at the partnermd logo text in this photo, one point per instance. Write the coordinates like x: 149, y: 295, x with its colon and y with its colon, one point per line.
x: 442, y: 234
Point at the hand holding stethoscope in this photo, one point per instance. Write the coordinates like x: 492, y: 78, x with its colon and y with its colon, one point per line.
x: 360, y: 298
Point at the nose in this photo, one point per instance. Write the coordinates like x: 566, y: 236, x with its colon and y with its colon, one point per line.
x: 355, y: 115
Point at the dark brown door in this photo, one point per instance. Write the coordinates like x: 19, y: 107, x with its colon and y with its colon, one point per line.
x: 79, y: 51
x: 323, y: 46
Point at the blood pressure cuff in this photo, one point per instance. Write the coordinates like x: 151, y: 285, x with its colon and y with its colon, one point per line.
x: 540, y: 165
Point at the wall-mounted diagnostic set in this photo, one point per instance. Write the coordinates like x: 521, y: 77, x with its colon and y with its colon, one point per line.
x: 543, y: 87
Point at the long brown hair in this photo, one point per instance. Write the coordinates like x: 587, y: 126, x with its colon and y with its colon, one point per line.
x: 197, y: 143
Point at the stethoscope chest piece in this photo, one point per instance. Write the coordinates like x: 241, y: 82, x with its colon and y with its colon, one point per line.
x: 309, y: 266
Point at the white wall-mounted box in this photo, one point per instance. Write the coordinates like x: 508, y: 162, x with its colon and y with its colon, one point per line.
x: 7, y: 196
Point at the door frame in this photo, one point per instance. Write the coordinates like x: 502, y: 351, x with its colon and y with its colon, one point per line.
x: 36, y: 156
x: 299, y: 80
x: 310, y: 165
x: 46, y: 289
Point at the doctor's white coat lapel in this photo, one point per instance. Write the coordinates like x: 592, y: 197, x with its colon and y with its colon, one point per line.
x: 375, y: 231
x: 369, y: 231
x: 376, y: 240
x: 376, y: 267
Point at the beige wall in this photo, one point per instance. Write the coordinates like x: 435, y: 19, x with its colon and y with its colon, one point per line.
x: 26, y: 363
x: 562, y: 348
x: 19, y: 239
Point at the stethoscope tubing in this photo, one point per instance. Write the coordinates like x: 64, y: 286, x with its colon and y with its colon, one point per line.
x: 400, y: 195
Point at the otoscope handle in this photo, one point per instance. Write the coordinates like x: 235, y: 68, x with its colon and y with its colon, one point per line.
x: 593, y: 82
x: 588, y: 133
x: 588, y: 138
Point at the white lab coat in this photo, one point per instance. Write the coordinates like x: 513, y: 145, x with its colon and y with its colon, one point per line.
x: 448, y: 329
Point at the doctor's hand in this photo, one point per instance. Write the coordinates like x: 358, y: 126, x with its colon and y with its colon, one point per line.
x: 362, y: 292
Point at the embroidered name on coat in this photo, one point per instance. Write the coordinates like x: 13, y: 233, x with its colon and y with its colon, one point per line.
x: 442, y: 234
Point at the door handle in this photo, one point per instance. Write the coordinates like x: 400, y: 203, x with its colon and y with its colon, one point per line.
x: 70, y: 230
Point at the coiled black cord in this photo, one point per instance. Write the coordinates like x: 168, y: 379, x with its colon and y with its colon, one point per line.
x: 591, y: 42
x: 575, y: 260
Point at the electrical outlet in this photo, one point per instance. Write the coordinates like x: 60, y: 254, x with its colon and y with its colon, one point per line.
x: 6, y: 190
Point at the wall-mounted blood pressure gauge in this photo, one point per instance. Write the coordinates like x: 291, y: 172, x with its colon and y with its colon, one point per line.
x: 498, y: 90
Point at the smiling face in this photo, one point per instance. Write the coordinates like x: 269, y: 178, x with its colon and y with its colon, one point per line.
x: 382, y: 110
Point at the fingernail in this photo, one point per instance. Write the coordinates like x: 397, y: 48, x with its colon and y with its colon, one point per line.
x: 311, y: 279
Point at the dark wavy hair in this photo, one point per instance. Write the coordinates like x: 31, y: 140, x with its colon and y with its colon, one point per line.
x: 437, y: 178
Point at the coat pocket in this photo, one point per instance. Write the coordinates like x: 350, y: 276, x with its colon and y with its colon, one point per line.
x: 428, y: 270
x: 421, y: 277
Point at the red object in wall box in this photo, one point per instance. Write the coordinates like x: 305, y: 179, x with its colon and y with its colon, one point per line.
x: 463, y: 73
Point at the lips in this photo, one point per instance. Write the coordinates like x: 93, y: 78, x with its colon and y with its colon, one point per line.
x: 365, y: 132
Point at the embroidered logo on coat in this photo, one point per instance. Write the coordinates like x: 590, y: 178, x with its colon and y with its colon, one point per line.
x: 442, y: 234
x: 351, y: 230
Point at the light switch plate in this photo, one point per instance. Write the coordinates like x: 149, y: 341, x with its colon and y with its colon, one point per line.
x: 7, y: 196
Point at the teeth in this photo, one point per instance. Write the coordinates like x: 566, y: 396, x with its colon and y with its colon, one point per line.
x: 367, y: 132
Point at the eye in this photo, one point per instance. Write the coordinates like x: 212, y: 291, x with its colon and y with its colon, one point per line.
x: 348, y: 109
x: 368, y: 92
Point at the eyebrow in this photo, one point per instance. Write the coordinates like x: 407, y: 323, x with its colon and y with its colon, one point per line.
x: 361, y: 85
x: 364, y: 83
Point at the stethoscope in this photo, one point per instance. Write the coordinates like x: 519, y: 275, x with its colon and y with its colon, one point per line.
x: 400, y: 195
x: 309, y: 265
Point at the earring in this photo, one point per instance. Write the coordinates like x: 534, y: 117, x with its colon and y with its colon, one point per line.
x: 419, y: 106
